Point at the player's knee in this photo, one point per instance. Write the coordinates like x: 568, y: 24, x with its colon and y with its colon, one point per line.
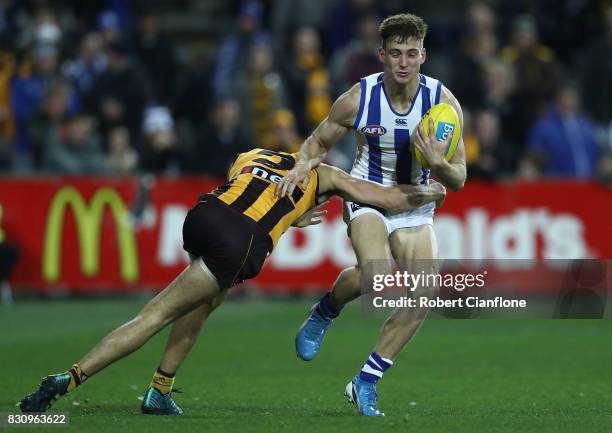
x: 216, y: 302
x: 371, y: 272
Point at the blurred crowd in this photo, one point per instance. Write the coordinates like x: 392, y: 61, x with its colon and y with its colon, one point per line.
x: 104, y: 87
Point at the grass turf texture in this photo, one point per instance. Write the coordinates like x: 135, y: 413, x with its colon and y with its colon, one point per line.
x: 243, y: 375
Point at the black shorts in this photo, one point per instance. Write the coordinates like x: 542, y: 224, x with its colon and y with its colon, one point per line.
x: 231, y: 244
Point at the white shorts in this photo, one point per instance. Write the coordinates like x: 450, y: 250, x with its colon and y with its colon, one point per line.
x: 393, y: 221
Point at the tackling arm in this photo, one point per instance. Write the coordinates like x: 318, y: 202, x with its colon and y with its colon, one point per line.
x: 399, y: 198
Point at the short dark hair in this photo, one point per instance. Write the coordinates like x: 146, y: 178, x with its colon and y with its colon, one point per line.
x: 402, y: 27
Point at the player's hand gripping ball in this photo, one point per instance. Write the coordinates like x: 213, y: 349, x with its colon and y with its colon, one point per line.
x: 445, y: 121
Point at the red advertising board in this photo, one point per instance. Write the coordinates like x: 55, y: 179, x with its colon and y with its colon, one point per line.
x: 83, y: 235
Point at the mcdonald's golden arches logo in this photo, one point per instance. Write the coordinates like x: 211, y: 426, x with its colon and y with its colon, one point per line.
x: 88, y: 221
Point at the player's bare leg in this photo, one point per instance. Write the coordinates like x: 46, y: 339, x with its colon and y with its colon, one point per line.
x: 369, y: 237
x: 346, y: 288
x: 189, y: 290
x: 417, y: 248
x: 184, y: 333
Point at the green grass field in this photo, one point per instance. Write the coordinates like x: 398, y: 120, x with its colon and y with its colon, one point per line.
x: 243, y: 375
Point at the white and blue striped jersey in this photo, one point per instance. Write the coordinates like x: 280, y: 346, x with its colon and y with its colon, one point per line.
x: 383, y: 135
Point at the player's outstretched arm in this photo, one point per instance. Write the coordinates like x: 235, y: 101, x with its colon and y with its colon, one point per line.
x: 453, y: 173
x: 315, y: 147
x: 398, y: 198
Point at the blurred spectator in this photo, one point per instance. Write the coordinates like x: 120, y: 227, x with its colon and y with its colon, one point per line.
x: 157, y: 56
x: 122, y: 157
x: 359, y: 58
x: 121, y: 92
x: 46, y: 122
x: 8, y: 259
x: 219, y: 142
x: 74, y: 148
x: 285, y: 137
x: 318, y: 100
x: 288, y: 15
x: 47, y: 31
x: 480, y: 18
x: 7, y: 121
x: 194, y: 92
x: 469, y: 77
x: 489, y: 155
x: 499, y: 80
x: 158, y: 150
x: 597, y: 77
x: 307, y: 79
x: 342, y: 21
x: 537, y: 75
x: 233, y: 55
x: 562, y: 143
x: 110, y: 27
x: 261, y: 92
x: 86, y: 68
x: 27, y: 90
x: 477, y: 46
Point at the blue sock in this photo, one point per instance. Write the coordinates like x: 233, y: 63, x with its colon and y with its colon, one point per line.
x: 374, y: 368
x: 326, y: 309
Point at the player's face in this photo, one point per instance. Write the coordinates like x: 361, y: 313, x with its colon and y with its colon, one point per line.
x: 402, y: 60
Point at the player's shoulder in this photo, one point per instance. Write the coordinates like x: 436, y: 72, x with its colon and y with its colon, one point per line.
x: 447, y: 97
x: 348, y: 104
x: 351, y: 97
x: 346, y: 107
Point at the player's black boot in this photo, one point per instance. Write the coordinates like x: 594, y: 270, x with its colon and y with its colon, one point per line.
x: 49, y: 389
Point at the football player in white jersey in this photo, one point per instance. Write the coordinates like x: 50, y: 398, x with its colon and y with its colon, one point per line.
x: 385, y: 111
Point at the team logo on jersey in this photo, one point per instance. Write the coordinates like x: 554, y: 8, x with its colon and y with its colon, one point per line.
x: 355, y: 207
x: 374, y: 130
x: 401, y: 122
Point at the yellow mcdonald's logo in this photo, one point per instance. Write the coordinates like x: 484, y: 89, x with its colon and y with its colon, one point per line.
x: 88, y: 220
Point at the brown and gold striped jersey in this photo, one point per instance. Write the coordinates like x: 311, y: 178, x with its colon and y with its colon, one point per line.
x: 250, y: 190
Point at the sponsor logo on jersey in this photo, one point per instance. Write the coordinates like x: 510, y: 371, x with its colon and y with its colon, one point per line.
x: 374, y: 130
x: 262, y: 173
x: 401, y: 122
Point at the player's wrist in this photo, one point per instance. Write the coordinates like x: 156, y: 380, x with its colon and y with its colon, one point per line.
x: 303, y: 163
